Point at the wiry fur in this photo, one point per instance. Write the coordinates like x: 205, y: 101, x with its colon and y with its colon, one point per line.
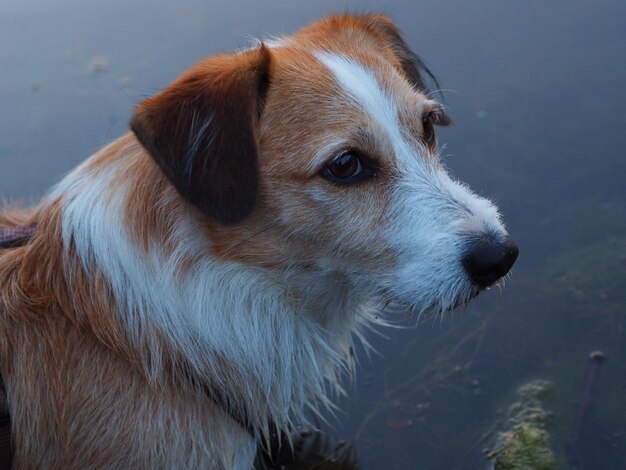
x: 134, y: 301
x: 276, y: 344
x: 204, y: 316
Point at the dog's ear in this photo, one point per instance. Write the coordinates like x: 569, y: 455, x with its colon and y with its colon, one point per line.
x: 202, y: 131
x: 388, y: 34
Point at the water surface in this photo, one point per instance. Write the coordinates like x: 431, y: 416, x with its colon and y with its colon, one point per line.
x: 536, y: 90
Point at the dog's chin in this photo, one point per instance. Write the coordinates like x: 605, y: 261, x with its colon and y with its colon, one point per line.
x: 435, y: 308
x: 475, y: 291
x: 463, y: 302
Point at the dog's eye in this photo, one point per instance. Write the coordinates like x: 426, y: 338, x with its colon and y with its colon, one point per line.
x: 347, y: 168
x: 428, y: 127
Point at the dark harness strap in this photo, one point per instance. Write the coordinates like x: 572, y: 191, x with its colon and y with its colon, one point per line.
x: 14, y: 237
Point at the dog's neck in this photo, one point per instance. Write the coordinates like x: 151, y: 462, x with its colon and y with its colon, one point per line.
x: 272, y: 340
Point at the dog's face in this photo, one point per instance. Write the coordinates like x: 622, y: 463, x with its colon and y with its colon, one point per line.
x: 319, y: 154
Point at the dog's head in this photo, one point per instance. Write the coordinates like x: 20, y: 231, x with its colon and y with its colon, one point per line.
x: 318, y: 153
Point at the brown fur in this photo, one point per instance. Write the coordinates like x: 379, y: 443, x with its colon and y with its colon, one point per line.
x: 82, y: 392
x: 78, y: 394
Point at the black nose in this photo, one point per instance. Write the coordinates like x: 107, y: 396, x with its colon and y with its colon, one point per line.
x: 488, y: 259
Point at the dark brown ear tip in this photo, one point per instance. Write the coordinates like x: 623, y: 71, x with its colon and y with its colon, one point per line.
x: 445, y: 120
x: 140, y: 123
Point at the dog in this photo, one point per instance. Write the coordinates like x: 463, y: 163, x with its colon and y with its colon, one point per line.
x: 195, y: 285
